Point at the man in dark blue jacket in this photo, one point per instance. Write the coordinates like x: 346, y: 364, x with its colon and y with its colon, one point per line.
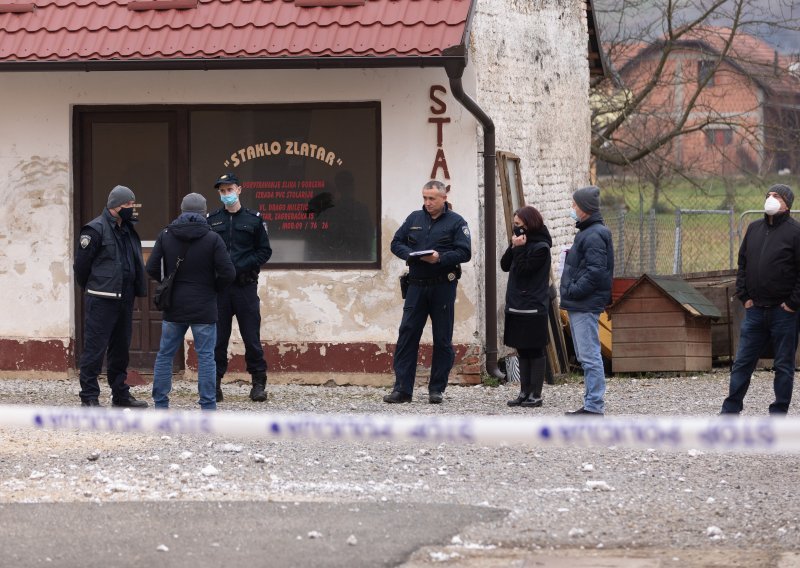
x: 768, y: 284
x: 206, y: 268
x: 586, y: 291
x: 434, y: 242
x: 109, y: 267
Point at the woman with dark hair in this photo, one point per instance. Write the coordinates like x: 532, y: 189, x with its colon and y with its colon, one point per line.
x: 527, y: 261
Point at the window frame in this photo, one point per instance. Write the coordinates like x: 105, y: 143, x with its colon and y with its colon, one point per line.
x: 706, y: 68
x: 712, y: 133
x: 513, y: 197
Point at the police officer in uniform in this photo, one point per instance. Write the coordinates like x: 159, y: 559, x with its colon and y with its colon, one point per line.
x: 109, y: 267
x: 245, y: 236
x: 442, y: 236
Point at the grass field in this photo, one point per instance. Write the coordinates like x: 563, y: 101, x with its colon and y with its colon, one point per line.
x: 710, y: 195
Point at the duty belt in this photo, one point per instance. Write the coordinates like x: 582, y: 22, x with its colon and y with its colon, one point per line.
x: 449, y: 277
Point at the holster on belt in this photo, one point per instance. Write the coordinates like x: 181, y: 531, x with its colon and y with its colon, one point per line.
x: 404, y: 282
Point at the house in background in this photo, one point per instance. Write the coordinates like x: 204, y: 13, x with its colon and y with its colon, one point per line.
x: 747, y: 116
x: 332, y: 112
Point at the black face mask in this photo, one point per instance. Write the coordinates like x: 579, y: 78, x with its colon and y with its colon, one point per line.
x: 519, y: 231
x: 126, y: 213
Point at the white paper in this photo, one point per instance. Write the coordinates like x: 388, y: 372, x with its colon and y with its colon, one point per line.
x: 422, y: 253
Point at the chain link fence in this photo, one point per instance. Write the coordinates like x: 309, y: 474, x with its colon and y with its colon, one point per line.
x: 680, y: 226
x: 690, y: 240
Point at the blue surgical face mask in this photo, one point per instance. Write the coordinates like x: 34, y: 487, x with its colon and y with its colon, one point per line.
x: 229, y: 199
x: 574, y: 215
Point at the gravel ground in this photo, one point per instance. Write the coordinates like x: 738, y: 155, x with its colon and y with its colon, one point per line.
x: 646, y: 499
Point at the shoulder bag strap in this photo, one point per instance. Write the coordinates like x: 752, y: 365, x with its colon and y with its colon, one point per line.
x: 178, y: 262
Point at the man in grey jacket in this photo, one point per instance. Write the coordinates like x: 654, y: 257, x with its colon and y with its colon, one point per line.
x: 586, y: 291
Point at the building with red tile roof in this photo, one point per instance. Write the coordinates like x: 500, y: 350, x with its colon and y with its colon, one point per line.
x: 751, y: 103
x: 333, y: 113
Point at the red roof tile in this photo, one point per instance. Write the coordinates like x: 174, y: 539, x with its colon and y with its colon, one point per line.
x: 105, y: 30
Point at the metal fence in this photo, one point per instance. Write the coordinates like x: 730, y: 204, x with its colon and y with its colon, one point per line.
x: 690, y: 240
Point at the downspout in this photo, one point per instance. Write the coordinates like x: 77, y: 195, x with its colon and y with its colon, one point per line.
x: 454, y: 73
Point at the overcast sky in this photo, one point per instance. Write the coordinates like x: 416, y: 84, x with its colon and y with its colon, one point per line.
x: 645, y: 18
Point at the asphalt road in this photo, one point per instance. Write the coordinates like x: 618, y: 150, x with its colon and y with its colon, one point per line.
x: 228, y: 533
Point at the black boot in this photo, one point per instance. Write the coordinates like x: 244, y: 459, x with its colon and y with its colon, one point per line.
x: 219, y: 389
x: 535, y: 380
x: 524, y: 382
x: 258, y: 392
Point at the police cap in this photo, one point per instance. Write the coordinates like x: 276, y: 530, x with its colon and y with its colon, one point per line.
x: 227, y: 178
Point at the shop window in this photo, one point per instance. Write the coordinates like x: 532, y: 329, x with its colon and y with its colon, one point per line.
x: 312, y: 171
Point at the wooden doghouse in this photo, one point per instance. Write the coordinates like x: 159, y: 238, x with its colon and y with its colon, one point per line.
x: 661, y: 323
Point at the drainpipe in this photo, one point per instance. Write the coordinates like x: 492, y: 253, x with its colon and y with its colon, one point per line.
x: 454, y: 73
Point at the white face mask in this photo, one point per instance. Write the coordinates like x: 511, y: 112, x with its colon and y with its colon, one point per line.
x: 771, y: 206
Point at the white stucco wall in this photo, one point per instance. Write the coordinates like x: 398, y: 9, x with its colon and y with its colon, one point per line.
x: 36, y: 233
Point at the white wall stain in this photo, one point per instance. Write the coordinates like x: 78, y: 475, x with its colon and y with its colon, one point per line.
x: 36, y: 219
x: 284, y: 348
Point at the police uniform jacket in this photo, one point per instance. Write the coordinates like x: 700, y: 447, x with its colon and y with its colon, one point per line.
x: 589, y: 268
x: 100, y: 257
x: 448, y: 235
x: 769, y: 263
x: 206, y: 268
x: 245, y: 236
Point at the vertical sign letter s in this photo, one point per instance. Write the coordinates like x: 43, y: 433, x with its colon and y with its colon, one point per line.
x: 439, y: 106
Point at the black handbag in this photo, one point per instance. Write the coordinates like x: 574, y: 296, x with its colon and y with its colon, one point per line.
x: 162, y: 297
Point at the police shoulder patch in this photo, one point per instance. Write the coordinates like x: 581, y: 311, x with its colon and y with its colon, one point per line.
x: 85, y: 240
x: 465, y: 229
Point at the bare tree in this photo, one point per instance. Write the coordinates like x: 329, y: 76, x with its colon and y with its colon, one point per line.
x: 693, y: 90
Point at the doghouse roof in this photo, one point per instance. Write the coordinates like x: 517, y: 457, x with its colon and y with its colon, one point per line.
x: 683, y: 293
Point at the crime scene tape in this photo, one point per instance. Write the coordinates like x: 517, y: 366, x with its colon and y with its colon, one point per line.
x: 717, y: 433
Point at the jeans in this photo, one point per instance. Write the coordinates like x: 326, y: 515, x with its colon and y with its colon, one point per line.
x: 760, y: 326
x: 172, y: 334
x: 438, y: 301
x: 586, y: 340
